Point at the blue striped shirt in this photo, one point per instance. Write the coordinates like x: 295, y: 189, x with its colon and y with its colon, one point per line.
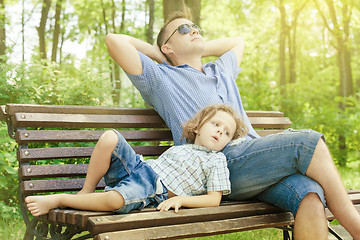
x: 177, y: 93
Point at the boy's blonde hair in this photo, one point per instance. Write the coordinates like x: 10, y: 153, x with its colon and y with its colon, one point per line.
x: 204, y: 116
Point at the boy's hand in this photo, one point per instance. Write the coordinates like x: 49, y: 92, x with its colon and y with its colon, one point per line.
x: 174, y: 202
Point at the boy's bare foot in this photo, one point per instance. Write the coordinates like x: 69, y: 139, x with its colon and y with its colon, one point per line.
x: 39, y: 205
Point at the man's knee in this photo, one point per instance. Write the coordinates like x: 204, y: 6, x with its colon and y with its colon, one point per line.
x: 312, y: 204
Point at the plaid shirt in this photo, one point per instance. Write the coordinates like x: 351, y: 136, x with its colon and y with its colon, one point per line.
x: 192, y: 170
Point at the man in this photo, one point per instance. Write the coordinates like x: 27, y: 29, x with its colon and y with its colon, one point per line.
x: 291, y: 170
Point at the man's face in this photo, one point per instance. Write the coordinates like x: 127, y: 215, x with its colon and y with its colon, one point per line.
x: 183, y: 42
x: 217, y: 132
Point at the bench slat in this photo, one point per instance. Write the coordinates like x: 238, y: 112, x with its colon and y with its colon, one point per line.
x: 153, y: 219
x: 203, y: 228
x: 55, y: 185
x: 22, y: 120
x: 47, y: 136
x: 11, y: 109
x: 26, y: 155
x: 270, y: 122
x: 2, y: 113
x: 118, y: 121
x: 52, y: 171
x: 29, y: 136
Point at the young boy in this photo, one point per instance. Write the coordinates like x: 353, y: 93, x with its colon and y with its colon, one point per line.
x: 190, y: 175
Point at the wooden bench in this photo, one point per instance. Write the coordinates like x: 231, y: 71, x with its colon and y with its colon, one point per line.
x: 54, y: 146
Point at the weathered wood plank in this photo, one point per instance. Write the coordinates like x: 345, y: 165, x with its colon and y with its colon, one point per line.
x: 69, y: 109
x: 22, y: 120
x: 11, y: 109
x: 30, y: 136
x: 2, y: 113
x: 203, y: 228
x: 26, y: 155
x: 54, y: 185
x: 153, y: 219
x: 52, y: 171
x: 270, y: 122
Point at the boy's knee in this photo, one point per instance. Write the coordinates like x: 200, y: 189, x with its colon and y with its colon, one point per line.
x: 114, y: 200
x: 109, y: 138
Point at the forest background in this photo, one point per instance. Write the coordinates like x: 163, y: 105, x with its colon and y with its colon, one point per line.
x: 302, y: 57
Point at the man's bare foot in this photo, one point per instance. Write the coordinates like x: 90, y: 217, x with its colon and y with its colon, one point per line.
x: 39, y: 205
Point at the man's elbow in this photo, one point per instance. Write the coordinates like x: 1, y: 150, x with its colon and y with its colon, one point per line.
x: 109, y: 39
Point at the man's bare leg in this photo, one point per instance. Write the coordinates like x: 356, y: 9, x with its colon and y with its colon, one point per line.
x: 323, y: 170
x: 310, y: 220
x: 99, y: 161
x: 99, y: 201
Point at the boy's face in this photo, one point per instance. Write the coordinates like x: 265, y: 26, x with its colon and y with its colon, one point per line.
x: 217, y: 132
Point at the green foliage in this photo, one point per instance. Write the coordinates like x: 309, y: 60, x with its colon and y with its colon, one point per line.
x: 46, y: 82
x: 8, y: 176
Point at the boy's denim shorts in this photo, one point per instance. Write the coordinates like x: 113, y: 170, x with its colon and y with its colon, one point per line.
x: 273, y: 168
x: 135, y: 180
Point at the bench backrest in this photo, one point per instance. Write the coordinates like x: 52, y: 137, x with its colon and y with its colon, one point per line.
x: 52, y: 138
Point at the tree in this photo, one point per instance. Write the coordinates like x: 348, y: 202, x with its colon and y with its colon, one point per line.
x: 191, y: 8
x: 339, y: 27
x: 288, y: 31
x: 57, y: 30
x: 41, y: 29
x: 2, y: 30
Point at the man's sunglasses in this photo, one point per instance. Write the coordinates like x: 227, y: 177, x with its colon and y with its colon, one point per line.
x: 185, y: 29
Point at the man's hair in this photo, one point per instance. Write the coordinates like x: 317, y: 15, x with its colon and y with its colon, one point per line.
x: 162, y: 34
x: 205, y: 115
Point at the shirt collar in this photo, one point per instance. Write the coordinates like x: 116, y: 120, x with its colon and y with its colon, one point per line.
x: 201, y: 148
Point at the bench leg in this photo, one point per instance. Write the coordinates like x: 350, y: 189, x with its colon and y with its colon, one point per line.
x: 335, y: 234
x: 288, y: 232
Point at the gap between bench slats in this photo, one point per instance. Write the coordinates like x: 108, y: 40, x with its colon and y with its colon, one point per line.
x: 26, y: 155
x: 203, y: 228
x: 28, y: 136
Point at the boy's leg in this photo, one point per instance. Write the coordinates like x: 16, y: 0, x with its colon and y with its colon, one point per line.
x: 99, y: 161
x: 98, y: 201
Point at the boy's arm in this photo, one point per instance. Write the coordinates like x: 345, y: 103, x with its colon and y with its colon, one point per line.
x: 123, y: 49
x: 211, y: 199
x: 218, y: 47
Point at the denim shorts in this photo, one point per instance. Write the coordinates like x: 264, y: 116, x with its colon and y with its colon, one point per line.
x: 135, y: 180
x: 273, y: 168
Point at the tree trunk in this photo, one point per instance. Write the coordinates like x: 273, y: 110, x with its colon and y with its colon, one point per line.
x: 150, y: 29
x: 341, y: 34
x: 2, y: 31
x: 282, y: 48
x: 41, y: 29
x: 56, y: 30
x: 191, y: 9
